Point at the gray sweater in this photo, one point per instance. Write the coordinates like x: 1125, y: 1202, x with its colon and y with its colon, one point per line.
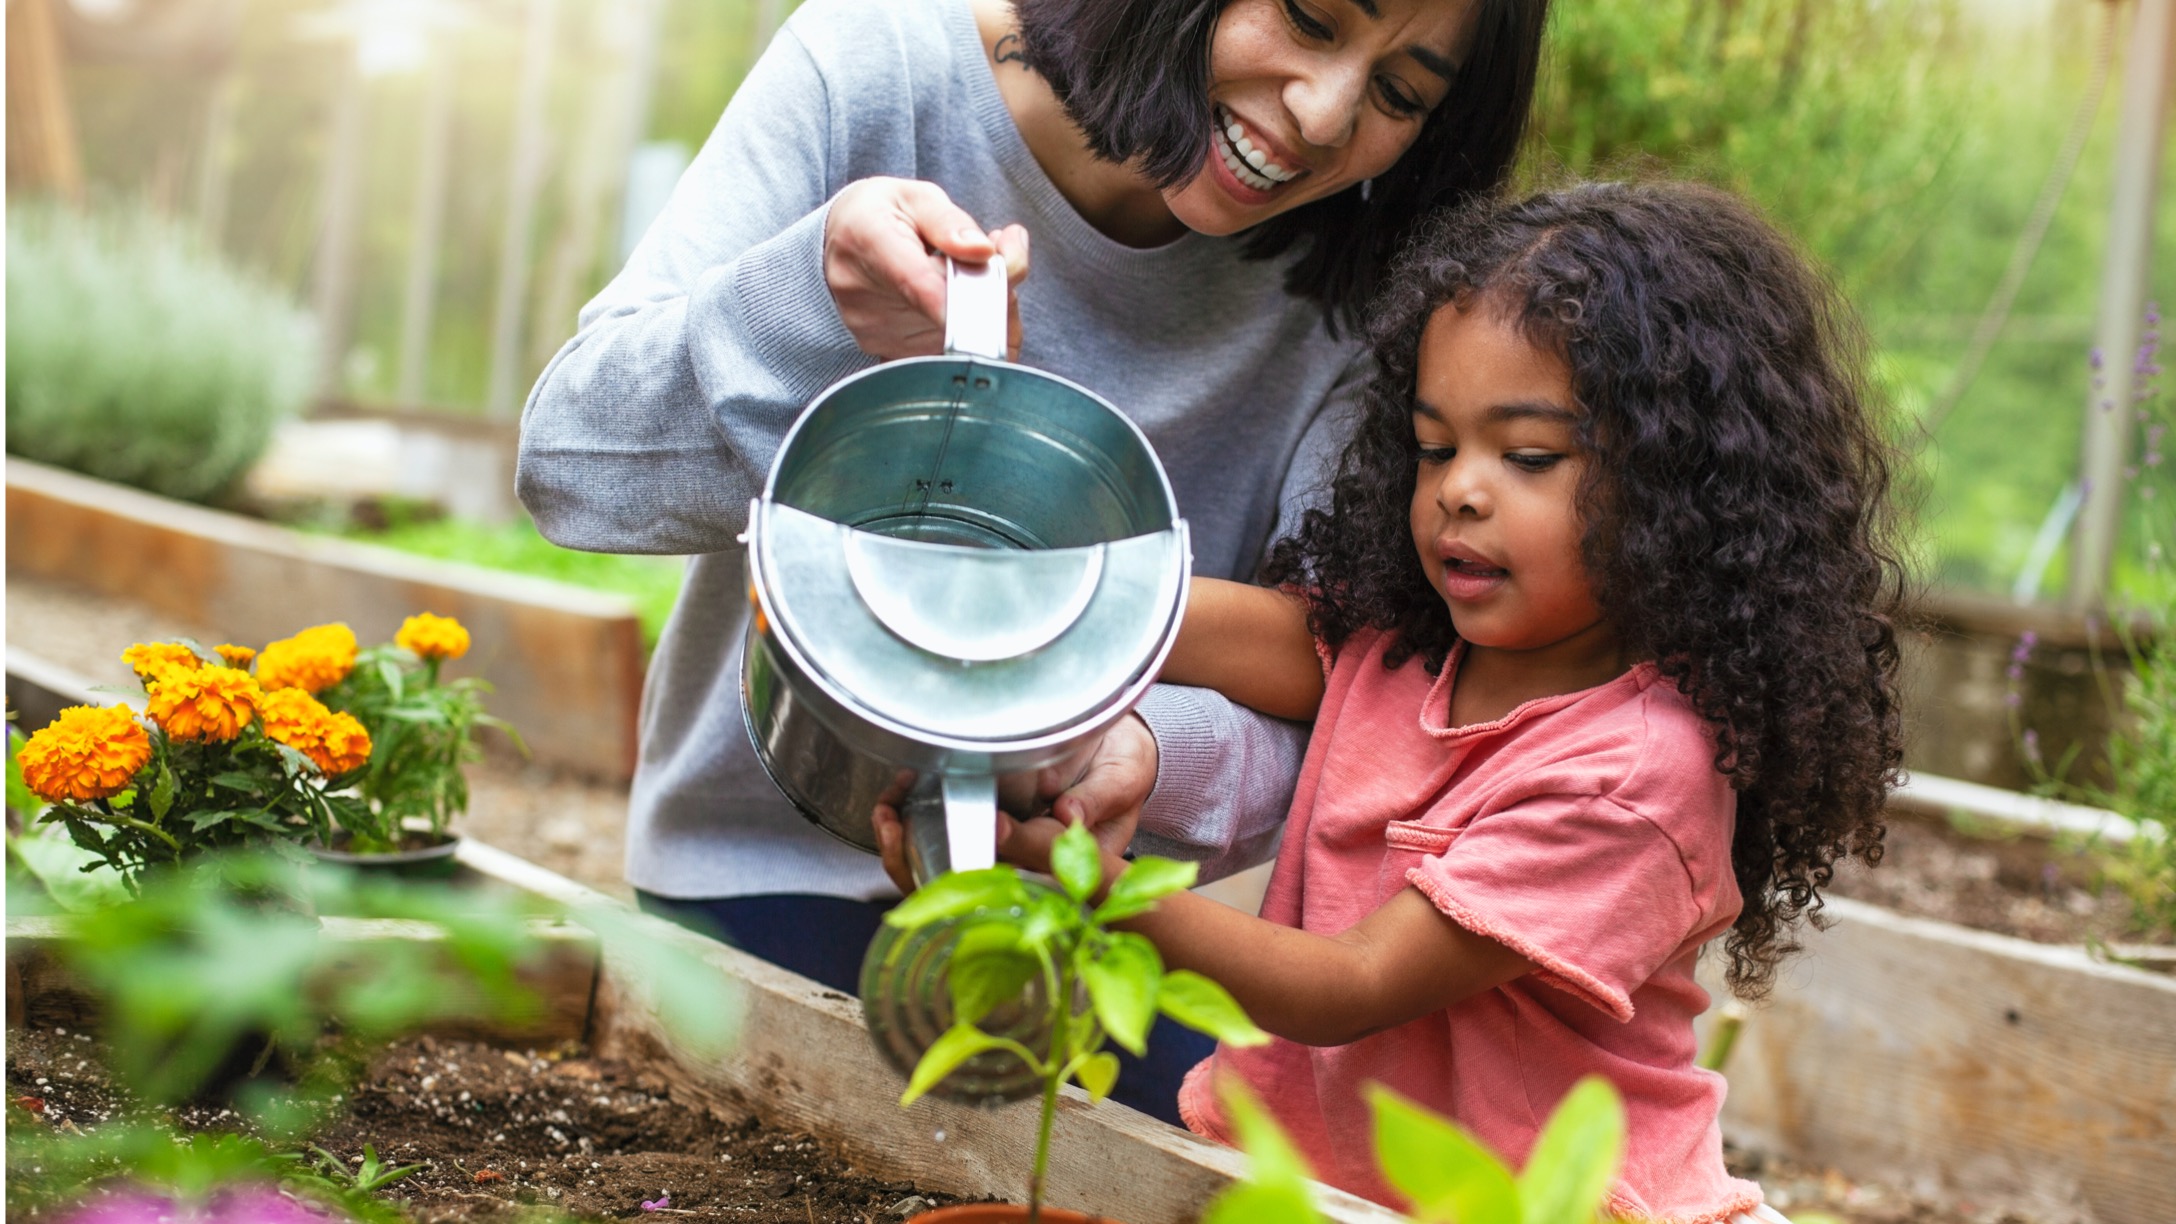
x: 653, y: 427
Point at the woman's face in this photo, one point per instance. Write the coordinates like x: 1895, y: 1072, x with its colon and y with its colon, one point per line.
x: 1313, y: 96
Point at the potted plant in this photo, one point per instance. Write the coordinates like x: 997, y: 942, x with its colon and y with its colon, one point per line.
x: 1098, y: 984
x: 216, y: 761
x: 423, y: 728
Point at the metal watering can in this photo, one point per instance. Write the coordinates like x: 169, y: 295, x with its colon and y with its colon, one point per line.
x: 964, y: 571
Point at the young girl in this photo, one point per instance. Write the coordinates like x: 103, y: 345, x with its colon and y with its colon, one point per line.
x: 1596, y: 638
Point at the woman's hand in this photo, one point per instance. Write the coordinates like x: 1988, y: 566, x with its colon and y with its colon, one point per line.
x: 885, y: 243
x: 1105, y: 791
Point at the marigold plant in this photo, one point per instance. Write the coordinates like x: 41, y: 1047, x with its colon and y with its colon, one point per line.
x: 432, y: 637
x: 236, y: 656
x: 313, y: 660
x: 151, y: 660
x: 336, y: 743
x: 202, y: 770
x: 89, y: 752
x: 422, y: 732
x: 210, y: 703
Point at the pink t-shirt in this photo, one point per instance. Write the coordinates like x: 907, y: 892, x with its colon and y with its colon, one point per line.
x: 1589, y: 832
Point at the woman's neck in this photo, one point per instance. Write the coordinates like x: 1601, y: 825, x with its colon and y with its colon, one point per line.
x: 1115, y: 199
x: 1492, y: 682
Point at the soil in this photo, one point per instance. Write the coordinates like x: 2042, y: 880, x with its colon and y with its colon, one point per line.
x: 2004, y: 882
x: 501, y: 1132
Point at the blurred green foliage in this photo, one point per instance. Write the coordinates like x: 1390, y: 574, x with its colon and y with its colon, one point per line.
x: 136, y: 354
x: 651, y: 582
x: 1904, y: 143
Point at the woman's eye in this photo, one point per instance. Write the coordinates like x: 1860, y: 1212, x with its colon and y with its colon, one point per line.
x: 1534, y: 463
x: 1432, y: 455
x: 1398, y: 99
x: 1305, y: 22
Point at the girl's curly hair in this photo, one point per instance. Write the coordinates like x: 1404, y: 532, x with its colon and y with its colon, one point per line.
x: 1739, y: 529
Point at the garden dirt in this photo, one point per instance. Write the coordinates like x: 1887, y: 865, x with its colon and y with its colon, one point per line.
x: 499, y: 1133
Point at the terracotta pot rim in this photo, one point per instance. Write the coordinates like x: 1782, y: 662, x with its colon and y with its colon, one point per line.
x: 1003, y: 1213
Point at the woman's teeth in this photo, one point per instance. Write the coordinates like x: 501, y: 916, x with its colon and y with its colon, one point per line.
x: 1248, y: 164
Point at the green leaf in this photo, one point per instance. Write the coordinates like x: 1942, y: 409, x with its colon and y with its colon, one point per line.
x: 1270, y: 1152
x: 235, y: 779
x: 1122, y: 983
x: 162, y: 792
x: 78, y: 879
x: 1147, y: 880
x: 1257, y: 1203
x: 1447, y: 1174
x: 1077, y: 863
x: 957, y: 893
x: 984, y: 979
x: 1206, y: 1007
x: 1575, y: 1158
x: 1051, y: 914
x: 959, y: 1043
x: 1098, y: 1073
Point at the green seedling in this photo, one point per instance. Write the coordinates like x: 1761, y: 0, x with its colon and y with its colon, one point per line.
x: 1101, y: 984
x: 369, y: 1177
x: 1447, y: 1175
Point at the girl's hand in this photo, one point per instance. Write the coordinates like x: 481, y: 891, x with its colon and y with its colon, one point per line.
x: 885, y: 243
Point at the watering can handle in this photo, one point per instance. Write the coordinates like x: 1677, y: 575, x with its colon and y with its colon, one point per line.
x: 975, y: 311
x: 951, y: 825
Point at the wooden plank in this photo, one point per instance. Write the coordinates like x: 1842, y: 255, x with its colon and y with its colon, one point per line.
x: 1932, y: 795
x: 566, y: 662
x: 1917, y: 1051
x: 42, y: 991
x: 803, y: 1059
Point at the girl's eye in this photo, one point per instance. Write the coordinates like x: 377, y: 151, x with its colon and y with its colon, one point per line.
x: 1398, y: 99
x: 1534, y: 463
x: 1305, y: 22
x: 1433, y: 455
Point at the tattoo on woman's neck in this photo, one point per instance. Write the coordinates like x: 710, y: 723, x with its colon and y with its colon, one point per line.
x: 1008, y: 52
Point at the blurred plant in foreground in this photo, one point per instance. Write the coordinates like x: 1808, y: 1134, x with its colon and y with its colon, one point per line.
x: 214, y: 987
x: 138, y: 355
x: 1447, y: 1175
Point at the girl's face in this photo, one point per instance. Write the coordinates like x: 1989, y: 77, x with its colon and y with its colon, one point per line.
x: 1313, y: 96
x: 1494, y: 504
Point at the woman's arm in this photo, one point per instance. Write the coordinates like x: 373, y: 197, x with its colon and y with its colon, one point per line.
x: 1251, y: 644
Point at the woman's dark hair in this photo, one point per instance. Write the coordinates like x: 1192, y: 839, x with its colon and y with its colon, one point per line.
x: 1134, y: 74
x: 1738, y: 522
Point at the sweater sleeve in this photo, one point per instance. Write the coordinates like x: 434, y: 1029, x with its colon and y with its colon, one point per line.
x: 1225, y: 773
x: 653, y: 426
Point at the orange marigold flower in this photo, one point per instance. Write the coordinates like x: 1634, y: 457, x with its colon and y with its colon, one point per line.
x: 210, y: 703
x: 89, y: 752
x: 236, y: 656
x: 313, y: 660
x: 151, y: 660
x: 334, y: 742
x: 432, y: 637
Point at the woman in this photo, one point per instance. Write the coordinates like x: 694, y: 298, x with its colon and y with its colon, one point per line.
x: 1211, y: 191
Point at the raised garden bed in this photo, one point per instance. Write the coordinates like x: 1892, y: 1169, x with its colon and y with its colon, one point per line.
x: 569, y: 659
x: 1982, y: 1066
x: 802, y: 1065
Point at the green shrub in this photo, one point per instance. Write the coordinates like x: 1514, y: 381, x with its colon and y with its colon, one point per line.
x: 136, y: 355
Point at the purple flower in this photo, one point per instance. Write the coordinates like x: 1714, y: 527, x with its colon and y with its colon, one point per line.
x: 2093, y: 358
x: 660, y: 1203
x: 2032, y: 750
x: 2013, y: 699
